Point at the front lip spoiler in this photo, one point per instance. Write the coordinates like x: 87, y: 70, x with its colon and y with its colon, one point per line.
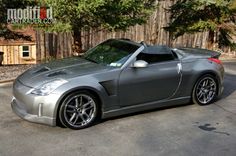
x: 31, y: 117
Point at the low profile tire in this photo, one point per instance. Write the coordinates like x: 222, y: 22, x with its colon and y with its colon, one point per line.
x: 78, y: 110
x: 205, y: 90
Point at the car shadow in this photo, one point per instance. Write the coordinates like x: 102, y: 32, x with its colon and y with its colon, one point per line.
x: 141, y: 112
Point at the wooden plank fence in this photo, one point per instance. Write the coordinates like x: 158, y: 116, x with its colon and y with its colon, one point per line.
x: 59, y: 44
x: 53, y: 45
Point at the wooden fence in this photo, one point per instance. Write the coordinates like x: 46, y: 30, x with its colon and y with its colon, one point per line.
x: 53, y: 45
x: 59, y: 44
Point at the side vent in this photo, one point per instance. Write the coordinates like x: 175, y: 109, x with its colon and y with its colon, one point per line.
x: 110, y: 87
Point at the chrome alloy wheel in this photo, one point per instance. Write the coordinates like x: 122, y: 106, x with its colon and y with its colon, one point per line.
x: 79, y: 111
x: 206, y: 90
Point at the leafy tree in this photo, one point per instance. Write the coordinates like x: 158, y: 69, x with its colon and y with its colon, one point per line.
x: 5, y: 31
x: 76, y: 15
x: 190, y: 16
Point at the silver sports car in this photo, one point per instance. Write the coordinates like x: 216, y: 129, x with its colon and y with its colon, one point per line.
x: 116, y: 77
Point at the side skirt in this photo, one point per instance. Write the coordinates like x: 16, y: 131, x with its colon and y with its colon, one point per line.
x: 146, y: 106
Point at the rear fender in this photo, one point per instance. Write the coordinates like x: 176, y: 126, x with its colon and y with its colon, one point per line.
x: 192, y: 71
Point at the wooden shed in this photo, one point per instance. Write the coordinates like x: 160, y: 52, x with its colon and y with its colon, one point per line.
x: 19, y: 51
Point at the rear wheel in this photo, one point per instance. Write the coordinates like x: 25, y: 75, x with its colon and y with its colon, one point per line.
x: 78, y: 110
x: 205, y: 90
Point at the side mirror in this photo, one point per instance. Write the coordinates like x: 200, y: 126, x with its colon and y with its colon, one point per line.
x: 140, y: 64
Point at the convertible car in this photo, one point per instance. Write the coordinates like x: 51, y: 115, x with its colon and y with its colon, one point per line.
x: 114, y: 78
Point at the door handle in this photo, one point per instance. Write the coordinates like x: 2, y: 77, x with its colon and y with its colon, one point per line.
x: 179, y: 68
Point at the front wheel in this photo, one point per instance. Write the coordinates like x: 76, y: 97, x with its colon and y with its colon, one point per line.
x: 78, y: 110
x: 205, y: 90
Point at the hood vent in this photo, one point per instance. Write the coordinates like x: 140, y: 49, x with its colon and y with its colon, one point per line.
x: 56, y: 73
x: 43, y: 69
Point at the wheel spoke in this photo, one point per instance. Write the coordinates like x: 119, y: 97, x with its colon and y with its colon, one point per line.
x: 204, y: 83
x: 72, y: 117
x: 70, y: 111
x: 200, y: 92
x: 88, y: 108
x: 86, y: 104
x: 204, y: 98
x: 81, y: 101
x: 83, y: 119
x: 86, y: 115
x: 76, y: 102
x: 212, y: 89
x: 200, y: 95
x: 212, y: 84
x: 69, y: 106
x: 76, y: 119
x: 209, y: 95
x: 200, y: 85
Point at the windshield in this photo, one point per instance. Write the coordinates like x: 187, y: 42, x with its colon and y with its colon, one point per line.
x: 111, y: 53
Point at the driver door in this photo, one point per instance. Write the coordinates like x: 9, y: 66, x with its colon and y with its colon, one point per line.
x: 158, y: 81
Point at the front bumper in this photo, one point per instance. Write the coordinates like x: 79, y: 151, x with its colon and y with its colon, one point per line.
x: 21, y: 112
x: 34, y: 108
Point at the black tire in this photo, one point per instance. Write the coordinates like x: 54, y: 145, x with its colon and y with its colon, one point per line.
x: 75, y: 113
x: 204, y: 95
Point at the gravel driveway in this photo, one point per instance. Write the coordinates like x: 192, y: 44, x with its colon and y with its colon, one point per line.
x: 12, y: 71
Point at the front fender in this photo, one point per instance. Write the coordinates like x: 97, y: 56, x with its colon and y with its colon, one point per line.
x: 81, y: 84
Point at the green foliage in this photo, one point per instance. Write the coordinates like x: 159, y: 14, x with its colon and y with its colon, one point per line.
x: 190, y: 16
x: 108, y: 14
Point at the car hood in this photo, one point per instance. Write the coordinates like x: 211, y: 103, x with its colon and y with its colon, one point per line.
x: 64, y: 69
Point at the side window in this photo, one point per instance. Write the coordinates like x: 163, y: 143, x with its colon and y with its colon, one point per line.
x: 25, y: 51
x: 155, y: 58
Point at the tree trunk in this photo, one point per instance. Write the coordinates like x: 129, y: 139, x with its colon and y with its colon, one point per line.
x: 77, y: 45
x: 210, y: 43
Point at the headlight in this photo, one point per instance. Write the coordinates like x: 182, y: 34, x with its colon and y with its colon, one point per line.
x: 48, y: 87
